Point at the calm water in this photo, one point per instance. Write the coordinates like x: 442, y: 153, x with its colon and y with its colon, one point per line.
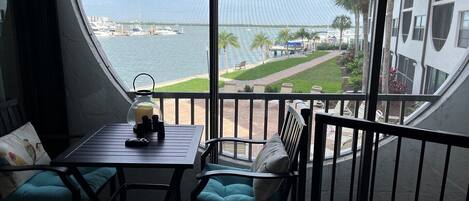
x: 177, y: 56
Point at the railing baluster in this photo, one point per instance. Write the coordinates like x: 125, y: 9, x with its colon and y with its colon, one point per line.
x: 419, y: 174
x: 176, y: 109
x: 162, y: 108
x: 251, y: 108
x: 373, y: 171
x: 326, y: 107
x: 402, y: 113
x: 266, y: 117
x: 236, y: 128
x: 396, y: 168
x: 387, y: 111
x: 354, y: 152
x: 220, y: 126
x: 467, y: 193
x: 318, y: 159
x: 445, y: 173
x: 334, y: 162
x: 398, y: 153
x: 192, y: 111
x: 206, y: 119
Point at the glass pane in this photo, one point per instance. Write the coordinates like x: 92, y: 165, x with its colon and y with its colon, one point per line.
x: 288, y: 47
x: 406, y: 74
x: 167, y: 39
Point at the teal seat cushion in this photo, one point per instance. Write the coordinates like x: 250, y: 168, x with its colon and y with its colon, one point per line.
x: 228, y: 188
x: 47, y: 186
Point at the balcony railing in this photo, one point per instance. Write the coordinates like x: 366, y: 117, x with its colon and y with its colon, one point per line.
x: 413, y: 144
x: 258, y: 115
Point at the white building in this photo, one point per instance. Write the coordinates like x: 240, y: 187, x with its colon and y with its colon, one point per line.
x: 429, y: 40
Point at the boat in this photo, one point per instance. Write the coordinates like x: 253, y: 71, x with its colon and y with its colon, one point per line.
x: 164, y: 31
x: 137, y: 30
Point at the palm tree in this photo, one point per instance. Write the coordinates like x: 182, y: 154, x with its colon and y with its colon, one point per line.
x: 284, y: 36
x: 225, y: 40
x: 302, y: 33
x: 387, y: 47
x: 313, y: 36
x: 352, y: 6
x: 262, y: 42
x: 341, y: 22
x: 360, y: 6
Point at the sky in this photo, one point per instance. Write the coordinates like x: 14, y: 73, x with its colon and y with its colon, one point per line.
x: 260, y: 12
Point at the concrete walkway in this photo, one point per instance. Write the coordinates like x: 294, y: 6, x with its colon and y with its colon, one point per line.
x: 287, y: 72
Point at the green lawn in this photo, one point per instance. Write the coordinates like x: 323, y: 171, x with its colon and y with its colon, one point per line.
x: 327, y: 75
x: 192, y: 85
x: 270, y: 68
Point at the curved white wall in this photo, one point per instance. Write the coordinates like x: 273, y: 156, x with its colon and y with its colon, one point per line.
x: 93, y: 97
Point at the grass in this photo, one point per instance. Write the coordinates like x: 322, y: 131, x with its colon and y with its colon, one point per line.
x: 327, y: 75
x: 192, y: 85
x: 270, y: 68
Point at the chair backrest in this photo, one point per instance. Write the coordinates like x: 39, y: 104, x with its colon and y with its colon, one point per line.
x: 293, y: 131
x: 11, y: 116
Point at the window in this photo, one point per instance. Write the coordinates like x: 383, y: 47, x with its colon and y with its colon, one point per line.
x: 408, y: 4
x: 463, y: 40
x: 441, y: 24
x: 395, y: 27
x: 419, y: 27
x: 405, y: 73
x: 434, y: 79
x: 406, y: 20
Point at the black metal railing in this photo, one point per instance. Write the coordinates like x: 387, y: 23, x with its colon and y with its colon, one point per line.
x: 375, y: 130
x: 258, y: 115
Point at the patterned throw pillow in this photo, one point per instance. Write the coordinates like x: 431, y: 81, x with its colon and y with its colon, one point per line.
x: 20, y: 147
x: 271, y: 159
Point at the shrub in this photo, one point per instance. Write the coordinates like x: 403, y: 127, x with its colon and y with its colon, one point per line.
x: 329, y: 46
x: 247, y: 88
x: 355, y: 66
x: 271, y: 89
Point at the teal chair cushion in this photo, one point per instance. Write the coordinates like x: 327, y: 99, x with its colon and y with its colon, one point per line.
x: 47, y: 186
x: 228, y: 188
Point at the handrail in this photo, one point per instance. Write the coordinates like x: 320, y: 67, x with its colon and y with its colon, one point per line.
x: 441, y: 137
x: 374, y: 130
x: 292, y: 96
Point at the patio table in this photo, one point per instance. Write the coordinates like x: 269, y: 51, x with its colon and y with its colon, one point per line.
x: 106, y: 148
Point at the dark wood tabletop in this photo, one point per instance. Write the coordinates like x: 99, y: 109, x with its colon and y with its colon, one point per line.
x: 106, y: 148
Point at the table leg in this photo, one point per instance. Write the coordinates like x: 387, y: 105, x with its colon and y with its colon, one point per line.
x: 175, y: 185
x: 121, y: 178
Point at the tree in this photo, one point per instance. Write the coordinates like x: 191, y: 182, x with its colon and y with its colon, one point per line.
x: 262, y: 42
x: 225, y: 40
x: 302, y: 33
x: 313, y: 36
x: 386, y: 63
x: 283, y: 37
x: 360, y: 6
x: 364, y: 8
x: 352, y: 6
x: 342, y: 23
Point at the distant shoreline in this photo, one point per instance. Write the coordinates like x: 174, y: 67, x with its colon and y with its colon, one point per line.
x: 227, y: 25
